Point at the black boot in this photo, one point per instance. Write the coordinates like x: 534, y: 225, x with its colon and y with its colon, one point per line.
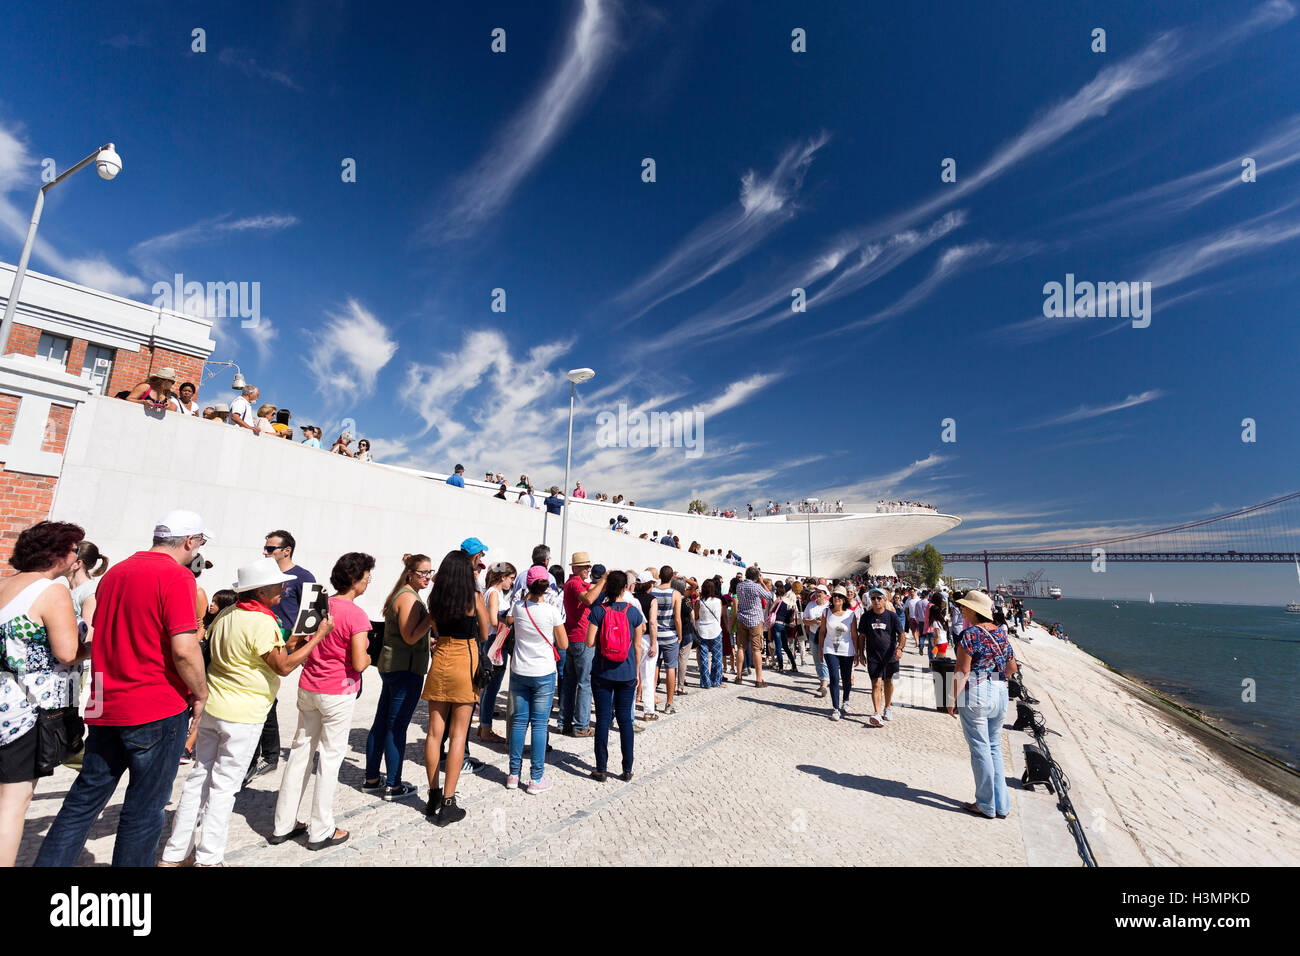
x: 435, y: 801
x: 449, y: 813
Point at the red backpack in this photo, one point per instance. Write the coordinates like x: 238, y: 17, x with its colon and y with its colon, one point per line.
x: 615, y: 635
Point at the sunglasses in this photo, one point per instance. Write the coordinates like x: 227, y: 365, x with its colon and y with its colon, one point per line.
x: 272, y: 547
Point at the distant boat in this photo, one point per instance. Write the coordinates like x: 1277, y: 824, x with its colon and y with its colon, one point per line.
x: 1294, y: 606
x: 1115, y: 606
x: 1054, y: 593
x: 1151, y: 598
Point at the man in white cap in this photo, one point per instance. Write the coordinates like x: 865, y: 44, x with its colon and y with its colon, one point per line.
x: 147, y: 685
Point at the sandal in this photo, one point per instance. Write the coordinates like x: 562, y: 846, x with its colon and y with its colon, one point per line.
x: 340, y: 836
x: 649, y: 715
x: 276, y: 839
x: 761, y: 683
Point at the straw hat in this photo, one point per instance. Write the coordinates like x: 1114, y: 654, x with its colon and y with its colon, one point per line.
x: 580, y: 558
x: 260, y: 574
x: 979, y: 602
x: 164, y: 374
x: 841, y: 592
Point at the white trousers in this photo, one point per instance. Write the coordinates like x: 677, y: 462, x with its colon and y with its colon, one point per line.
x: 323, y: 724
x: 646, y: 665
x: 222, y: 753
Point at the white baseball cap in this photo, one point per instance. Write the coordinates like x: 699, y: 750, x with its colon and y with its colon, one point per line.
x: 180, y: 524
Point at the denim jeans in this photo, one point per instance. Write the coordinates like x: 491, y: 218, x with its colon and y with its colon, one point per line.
x: 150, y: 754
x: 982, y: 708
x: 711, y: 661
x: 575, y: 691
x: 841, y: 671
x: 397, y: 701
x: 823, y: 674
x: 927, y: 641
x: 779, y: 632
x: 487, y: 701
x: 532, y: 706
x: 614, y: 699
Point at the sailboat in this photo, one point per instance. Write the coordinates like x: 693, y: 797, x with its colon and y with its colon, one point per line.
x: 1151, y: 598
x: 1294, y: 606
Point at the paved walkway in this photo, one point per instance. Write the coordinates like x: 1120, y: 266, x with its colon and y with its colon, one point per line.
x: 739, y: 776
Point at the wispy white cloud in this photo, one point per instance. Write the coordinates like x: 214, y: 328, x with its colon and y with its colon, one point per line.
x: 1085, y: 412
x: 263, y: 333
x: 246, y: 63
x: 764, y: 204
x: 863, y: 494
x: 150, y: 253
x: 346, y: 355
x: 531, y: 133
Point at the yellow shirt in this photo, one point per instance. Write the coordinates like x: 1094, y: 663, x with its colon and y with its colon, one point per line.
x: 241, y: 687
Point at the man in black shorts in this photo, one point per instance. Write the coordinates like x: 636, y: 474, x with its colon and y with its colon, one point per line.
x: 883, y: 639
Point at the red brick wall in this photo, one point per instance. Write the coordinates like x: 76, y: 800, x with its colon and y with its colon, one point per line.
x: 27, y: 498
x: 23, y: 339
x: 76, y: 356
x: 129, y: 368
x: 8, y: 412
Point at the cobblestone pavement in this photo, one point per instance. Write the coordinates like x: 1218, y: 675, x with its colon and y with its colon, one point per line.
x: 739, y: 776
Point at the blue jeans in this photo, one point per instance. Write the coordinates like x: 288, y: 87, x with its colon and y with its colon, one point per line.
x: 982, y: 708
x: 575, y: 690
x: 532, y: 696
x: 392, y: 717
x: 711, y: 662
x: 151, y: 754
x: 487, y: 701
x: 614, y: 699
x: 927, y: 641
x: 841, y: 671
x: 823, y: 674
x: 779, y: 631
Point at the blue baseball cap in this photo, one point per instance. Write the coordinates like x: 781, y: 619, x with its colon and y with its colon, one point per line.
x: 473, y: 546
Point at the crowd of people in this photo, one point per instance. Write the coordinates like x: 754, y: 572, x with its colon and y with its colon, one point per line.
x: 178, y: 679
x: 890, y: 507
x: 159, y: 393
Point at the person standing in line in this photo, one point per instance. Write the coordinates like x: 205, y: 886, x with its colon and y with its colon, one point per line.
x: 247, y: 659
x: 155, y: 392
x: 185, y: 402
x: 668, y: 621
x: 985, y: 660
x: 281, y: 546
x: 147, y: 684
x: 883, y: 640
x: 539, y: 638
x: 578, y: 491
x: 496, y: 596
x: 648, y: 647
x: 614, y: 631
x: 242, y: 409
x: 457, y: 477
x: 838, y: 636
x: 783, y: 627
x: 690, y: 631
x: 709, y: 626
x: 310, y: 436
x: 402, y: 665
x: 363, y: 451
x: 460, y: 625
x: 327, y: 694
x: 39, y: 637
x: 752, y: 602
x: 575, y: 686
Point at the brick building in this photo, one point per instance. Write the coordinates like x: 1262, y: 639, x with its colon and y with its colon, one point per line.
x: 111, y: 342
x: 69, y: 342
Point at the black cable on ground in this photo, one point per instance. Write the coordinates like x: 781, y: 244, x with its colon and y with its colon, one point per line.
x: 1052, y: 775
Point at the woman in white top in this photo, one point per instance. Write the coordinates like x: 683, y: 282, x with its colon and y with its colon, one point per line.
x: 539, y: 640
x: 184, y: 400
x: 838, y: 637
x: 264, y: 415
x: 38, y: 638
x: 496, y: 598
x: 363, y: 450
x: 708, y: 624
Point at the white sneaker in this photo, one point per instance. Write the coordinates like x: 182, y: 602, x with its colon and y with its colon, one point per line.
x: 888, y: 714
x: 875, y: 721
x: 835, y: 714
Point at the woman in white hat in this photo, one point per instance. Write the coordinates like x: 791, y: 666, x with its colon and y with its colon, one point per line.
x: 984, y: 661
x: 156, y: 391
x: 838, y: 637
x: 248, y: 660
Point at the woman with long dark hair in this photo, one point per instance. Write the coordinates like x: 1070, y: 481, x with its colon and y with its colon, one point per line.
x: 402, y: 665
x: 613, y: 680
x: 460, y: 622
x: 496, y: 598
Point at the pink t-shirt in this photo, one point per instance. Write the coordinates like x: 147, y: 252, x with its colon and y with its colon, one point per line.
x: 328, y: 669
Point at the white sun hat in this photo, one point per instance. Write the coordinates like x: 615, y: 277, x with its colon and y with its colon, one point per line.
x: 261, y: 573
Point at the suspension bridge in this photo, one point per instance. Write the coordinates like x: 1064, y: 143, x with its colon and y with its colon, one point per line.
x: 1264, y: 533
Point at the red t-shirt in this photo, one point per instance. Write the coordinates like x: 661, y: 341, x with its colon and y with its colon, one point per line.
x: 140, y: 603
x: 576, y: 610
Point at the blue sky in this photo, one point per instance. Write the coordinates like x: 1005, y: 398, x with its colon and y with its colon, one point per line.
x: 522, y: 171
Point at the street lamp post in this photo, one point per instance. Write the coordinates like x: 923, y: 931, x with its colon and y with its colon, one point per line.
x: 576, y: 376
x: 109, y: 165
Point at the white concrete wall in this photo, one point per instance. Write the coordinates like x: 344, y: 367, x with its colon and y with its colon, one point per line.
x: 125, y: 467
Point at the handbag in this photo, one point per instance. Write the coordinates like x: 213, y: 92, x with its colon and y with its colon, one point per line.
x: 59, y: 735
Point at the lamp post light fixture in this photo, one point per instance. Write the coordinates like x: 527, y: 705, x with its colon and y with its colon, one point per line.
x: 576, y: 377
x: 109, y: 164
x: 237, y: 384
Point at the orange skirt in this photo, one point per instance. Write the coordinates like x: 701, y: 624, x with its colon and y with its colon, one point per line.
x: 451, y: 674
